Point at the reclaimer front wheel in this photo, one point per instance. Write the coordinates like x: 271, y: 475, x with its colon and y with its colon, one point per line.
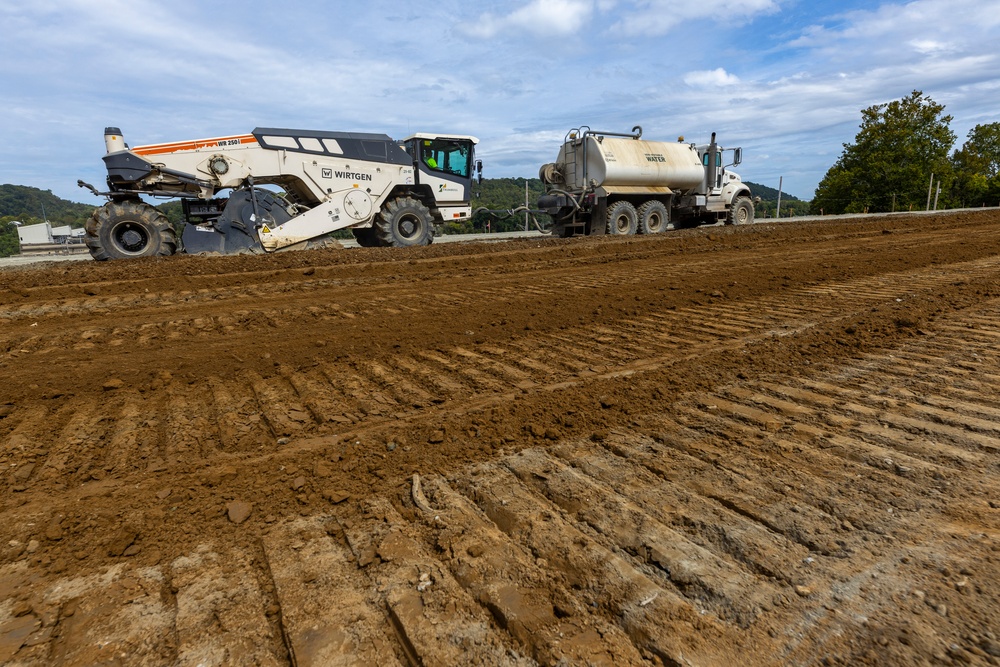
x: 121, y: 230
x: 403, y: 222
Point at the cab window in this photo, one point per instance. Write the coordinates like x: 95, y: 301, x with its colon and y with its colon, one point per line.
x: 451, y: 157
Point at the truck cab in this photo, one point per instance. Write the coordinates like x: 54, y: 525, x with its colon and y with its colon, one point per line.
x: 715, y: 174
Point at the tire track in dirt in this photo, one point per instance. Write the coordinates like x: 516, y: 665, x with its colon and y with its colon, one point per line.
x: 650, y: 554
x: 256, y: 413
x: 546, y: 283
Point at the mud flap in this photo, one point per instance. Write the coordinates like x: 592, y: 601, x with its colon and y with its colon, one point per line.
x: 598, y: 226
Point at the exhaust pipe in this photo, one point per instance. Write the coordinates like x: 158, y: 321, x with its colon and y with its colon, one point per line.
x: 713, y: 168
x: 113, y: 140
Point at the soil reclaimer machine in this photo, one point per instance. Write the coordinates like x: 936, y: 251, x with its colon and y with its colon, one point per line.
x: 387, y: 193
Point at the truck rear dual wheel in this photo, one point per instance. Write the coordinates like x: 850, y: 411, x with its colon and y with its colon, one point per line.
x: 121, y: 230
x: 622, y: 218
x: 653, y: 217
x: 404, y: 222
x: 741, y: 212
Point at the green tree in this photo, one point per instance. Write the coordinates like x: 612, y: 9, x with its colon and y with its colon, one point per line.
x: 174, y: 212
x: 504, y: 194
x: 977, y: 167
x: 888, y: 167
x: 9, y: 245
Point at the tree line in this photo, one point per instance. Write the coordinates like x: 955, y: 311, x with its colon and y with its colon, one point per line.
x: 902, y: 159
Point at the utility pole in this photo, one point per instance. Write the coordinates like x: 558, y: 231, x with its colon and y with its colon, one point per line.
x: 777, y: 211
x: 930, y: 186
x: 936, y: 194
x: 525, y: 204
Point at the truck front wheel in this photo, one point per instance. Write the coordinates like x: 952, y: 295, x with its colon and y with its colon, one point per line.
x: 622, y: 218
x: 741, y: 212
x: 121, y: 230
x: 403, y: 222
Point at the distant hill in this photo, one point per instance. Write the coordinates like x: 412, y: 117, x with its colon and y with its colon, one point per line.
x: 769, y: 194
x: 768, y: 204
x: 31, y: 205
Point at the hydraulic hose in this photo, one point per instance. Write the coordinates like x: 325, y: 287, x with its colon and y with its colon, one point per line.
x: 503, y: 214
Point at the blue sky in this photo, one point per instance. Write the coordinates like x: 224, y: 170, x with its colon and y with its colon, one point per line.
x: 784, y: 79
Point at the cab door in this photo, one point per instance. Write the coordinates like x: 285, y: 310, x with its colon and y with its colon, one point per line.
x: 445, y: 165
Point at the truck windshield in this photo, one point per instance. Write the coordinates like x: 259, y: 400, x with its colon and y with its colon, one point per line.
x: 449, y: 156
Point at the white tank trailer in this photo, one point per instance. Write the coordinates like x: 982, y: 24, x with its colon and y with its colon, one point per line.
x: 615, y: 183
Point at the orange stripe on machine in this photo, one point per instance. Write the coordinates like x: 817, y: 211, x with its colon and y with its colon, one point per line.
x: 177, y: 146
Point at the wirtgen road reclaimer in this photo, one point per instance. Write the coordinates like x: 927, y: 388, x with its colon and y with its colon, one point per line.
x: 387, y: 193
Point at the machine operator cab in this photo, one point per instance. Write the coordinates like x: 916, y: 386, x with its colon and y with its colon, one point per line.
x: 446, y: 164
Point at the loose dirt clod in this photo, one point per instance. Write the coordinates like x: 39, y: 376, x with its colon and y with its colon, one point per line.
x: 239, y: 511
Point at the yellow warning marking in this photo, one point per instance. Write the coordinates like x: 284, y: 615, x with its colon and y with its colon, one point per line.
x: 265, y: 229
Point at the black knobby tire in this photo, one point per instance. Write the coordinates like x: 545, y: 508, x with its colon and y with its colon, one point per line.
x: 622, y: 218
x: 122, y: 230
x: 741, y: 212
x: 653, y: 217
x: 365, y: 237
x: 404, y: 222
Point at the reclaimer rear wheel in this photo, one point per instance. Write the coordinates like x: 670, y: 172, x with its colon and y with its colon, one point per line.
x: 121, y: 230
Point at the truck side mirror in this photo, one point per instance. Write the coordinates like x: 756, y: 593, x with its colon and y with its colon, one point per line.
x: 737, y: 156
x: 479, y: 171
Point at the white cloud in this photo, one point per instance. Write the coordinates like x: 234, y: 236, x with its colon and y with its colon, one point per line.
x: 658, y: 17
x: 930, y: 46
x: 540, y: 17
x: 718, y: 77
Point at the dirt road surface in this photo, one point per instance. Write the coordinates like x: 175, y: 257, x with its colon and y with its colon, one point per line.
x: 764, y: 445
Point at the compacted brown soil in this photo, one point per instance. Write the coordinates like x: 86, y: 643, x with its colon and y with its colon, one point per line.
x: 763, y: 445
